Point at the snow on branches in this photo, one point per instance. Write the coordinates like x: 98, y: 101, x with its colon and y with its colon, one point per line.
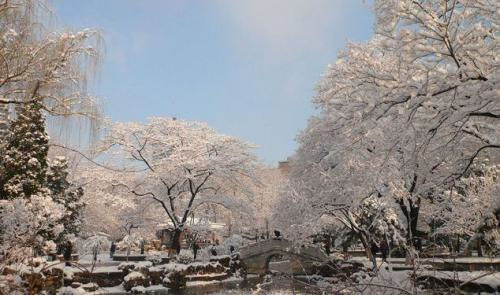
x: 405, y: 116
x: 175, y: 164
x: 40, y: 66
x: 433, y: 71
x: 38, y: 204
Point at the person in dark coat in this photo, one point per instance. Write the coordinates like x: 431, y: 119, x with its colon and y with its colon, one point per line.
x: 142, y: 247
x: 277, y: 234
x: 231, y: 249
x: 384, y: 250
x: 112, y: 250
x: 213, y: 251
x: 95, y: 252
x: 374, y: 249
x: 67, y: 253
x: 196, y: 247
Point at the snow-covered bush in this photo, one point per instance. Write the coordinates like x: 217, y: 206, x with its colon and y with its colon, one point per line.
x: 134, y: 279
x: 185, y: 256
x: 88, y: 245
x: 130, y: 242
x: 23, y: 224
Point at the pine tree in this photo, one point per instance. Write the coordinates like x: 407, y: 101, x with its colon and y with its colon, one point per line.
x: 66, y: 194
x: 24, y: 162
x: 25, y: 170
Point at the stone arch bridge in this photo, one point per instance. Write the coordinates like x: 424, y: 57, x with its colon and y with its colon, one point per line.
x: 256, y: 257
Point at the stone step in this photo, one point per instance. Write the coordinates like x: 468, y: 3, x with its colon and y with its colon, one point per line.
x: 208, y: 277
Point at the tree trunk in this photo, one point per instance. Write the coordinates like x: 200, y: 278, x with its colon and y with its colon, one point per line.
x: 176, y: 241
x: 411, y: 213
x: 414, y: 213
x: 366, y: 244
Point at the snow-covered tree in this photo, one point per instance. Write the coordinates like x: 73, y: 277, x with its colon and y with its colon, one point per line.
x: 108, y: 210
x: 407, y: 113
x: 28, y: 214
x: 469, y: 208
x: 24, y: 164
x: 24, y: 225
x: 37, y: 206
x: 432, y: 65
x: 42, y: 73
x: 177, y: 165
x: 47, y: 68
x: 67, y: 194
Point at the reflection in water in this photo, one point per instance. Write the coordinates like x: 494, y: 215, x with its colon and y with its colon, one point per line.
x: 273, y: 285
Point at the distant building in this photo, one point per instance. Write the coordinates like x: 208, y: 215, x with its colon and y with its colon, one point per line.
x: 284, y: 167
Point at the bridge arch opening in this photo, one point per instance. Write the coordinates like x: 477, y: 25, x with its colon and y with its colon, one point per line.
x: 257, y: 258
x: 279, y: 262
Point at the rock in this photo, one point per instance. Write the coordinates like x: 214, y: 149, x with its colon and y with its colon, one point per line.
x: 175, y: 280
x: 235, y: 264
x: 156, y: 275
x: 134, y: 279
x: 75, y: 285
x: 143, y: 266
x: 224, y: 260
x: 109, y: 279
x: 138, y: 290
x: 126, y: 267
x: 90, y: 287
x: 205, y: 268
x: 207, y: 278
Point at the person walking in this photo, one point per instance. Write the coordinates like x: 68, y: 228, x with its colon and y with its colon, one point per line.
x: 67, y: 253
x: 112, y: 250
x: 196, y: 247
x: 95, y: 252
x: 213, y: 251
x: 384, y: 250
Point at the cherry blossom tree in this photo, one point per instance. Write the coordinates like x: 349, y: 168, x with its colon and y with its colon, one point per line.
x: 406, y: 114
x: 177, y: 165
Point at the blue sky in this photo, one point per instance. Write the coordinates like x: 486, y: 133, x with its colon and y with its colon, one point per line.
x: 247, y: 68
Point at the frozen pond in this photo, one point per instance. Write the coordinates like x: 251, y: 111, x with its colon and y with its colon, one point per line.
x: 277, y: 285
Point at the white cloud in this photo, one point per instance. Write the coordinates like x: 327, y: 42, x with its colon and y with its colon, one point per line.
x: 287, y: 27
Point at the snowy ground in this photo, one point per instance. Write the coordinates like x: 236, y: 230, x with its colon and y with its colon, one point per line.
x: 481, y: 277
x: 101, y: 259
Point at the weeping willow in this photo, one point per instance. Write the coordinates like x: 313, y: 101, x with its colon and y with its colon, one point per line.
x: 40, y: 63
